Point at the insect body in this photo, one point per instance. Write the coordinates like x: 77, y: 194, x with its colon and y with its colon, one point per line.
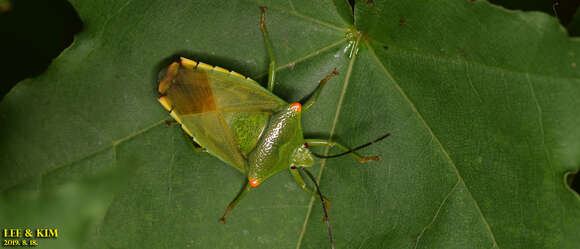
x: 240, y: 122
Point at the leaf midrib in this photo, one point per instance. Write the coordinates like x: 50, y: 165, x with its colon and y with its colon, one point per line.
x: 473, y: 63
x: 436, y: 139
x: 332, y: 129
x: 451, y: 163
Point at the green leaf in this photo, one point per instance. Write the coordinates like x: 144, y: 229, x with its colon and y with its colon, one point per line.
x: 481, y: 103
x: 59, y: 215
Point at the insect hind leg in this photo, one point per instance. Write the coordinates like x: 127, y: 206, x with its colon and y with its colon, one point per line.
x: 238, y: 198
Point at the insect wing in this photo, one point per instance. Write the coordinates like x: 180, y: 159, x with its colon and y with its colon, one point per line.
x: 224, y: 112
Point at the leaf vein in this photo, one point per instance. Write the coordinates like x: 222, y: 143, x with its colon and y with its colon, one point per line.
x: 436, y: 214
x: 546, y: 150
x: 471, y: 83
x: 334, y: 122
x: 311, y: 19
x: 303, y: 58
x: 112, y: 145
x: 459, y: 60
x: 443, y: 150
x: 292, y: 5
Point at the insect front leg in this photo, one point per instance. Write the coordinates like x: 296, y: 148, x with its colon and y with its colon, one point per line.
x: 238, y: 198
x: 359, y: 158
x: 314, y: 95
x: 171, y: 123
x: 272, y: 69
x: 190, y: 140
x: 300, y: 181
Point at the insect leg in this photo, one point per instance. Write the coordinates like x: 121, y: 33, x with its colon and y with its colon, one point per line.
x: 272, y: 69
x: 238, y: 198
x: 314, y: 95
x: 194, y: 145
x: 300, y: 181
x: 171, y: 123
x: 322, y: 142
x: 324, y: 207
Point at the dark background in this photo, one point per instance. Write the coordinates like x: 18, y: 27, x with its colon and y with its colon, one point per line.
x: 34, y: 32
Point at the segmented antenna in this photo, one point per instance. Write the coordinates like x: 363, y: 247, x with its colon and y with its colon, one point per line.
x: 323, y: 206
x: 352, y: 150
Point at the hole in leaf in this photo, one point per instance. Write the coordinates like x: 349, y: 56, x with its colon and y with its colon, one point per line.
x: 573, y: 181
x: 33, y: 33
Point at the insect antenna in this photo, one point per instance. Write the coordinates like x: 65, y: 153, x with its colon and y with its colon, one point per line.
x: 353, y: 150
x: 323, y: 206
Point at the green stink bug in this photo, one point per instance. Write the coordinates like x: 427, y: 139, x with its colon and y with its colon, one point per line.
x: 243, y: 124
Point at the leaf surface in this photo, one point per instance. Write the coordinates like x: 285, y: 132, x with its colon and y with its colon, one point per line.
x: 481, y: 103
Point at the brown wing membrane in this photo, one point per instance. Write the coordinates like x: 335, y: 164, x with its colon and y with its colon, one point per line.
x: 188, y: 90
x: 205, y: 100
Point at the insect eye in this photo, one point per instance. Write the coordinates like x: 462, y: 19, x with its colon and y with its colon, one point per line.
x: 305, y: 145
x: 293, y: 166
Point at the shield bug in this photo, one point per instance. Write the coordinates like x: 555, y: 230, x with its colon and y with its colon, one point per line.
x: 243, y: 124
